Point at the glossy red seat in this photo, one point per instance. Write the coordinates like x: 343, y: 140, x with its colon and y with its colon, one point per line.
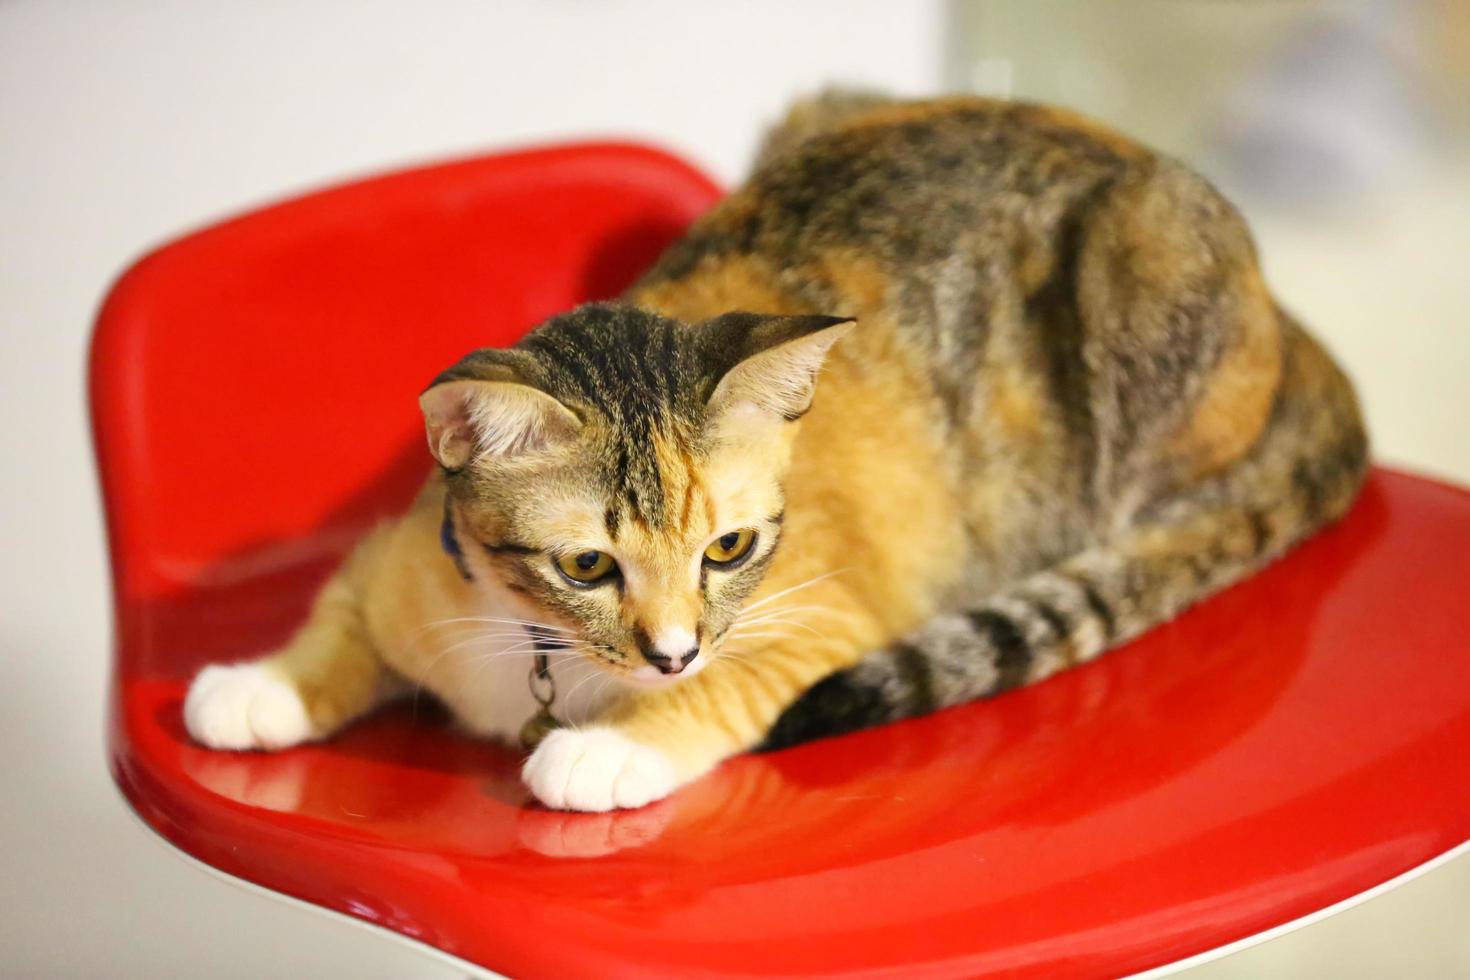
x: 1284, y: 747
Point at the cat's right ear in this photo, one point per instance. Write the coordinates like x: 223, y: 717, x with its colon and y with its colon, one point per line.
x: 472, y: 420
x: 777, y: 360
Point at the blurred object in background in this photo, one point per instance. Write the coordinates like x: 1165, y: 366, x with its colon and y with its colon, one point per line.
x: 1334, y: 107
x: 1156, y: 68
x: 1291, y: 100
x: 1341, y: 129
x: 1449, y: 73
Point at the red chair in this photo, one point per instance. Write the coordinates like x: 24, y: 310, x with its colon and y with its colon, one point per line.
x: 1285, y: 747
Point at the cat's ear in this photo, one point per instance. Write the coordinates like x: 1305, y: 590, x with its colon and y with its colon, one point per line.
x: 775, y: 362
x: 470, y: 419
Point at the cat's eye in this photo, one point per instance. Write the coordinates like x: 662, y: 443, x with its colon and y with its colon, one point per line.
x: 587, y: 567
x: 729, y: 548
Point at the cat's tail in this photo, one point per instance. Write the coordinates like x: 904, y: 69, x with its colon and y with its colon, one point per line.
x: 1303, y: 473
x: 814, y: 115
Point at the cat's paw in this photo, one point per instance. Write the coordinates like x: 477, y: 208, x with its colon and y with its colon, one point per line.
x: 245, y: 706
x: 597, y: 769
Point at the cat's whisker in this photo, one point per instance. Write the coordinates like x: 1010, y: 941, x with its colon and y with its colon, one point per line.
x: 607, y: 678
x: 464, y: 632
x: 776, y: 616
x: 800, y: 585
x: 524, y: 623
x: 777, y: 613
x: 786, y: 622
x: 524, y: 653
x: 537, y: 643
x: 765, y: 635
x: 527, y: 646
x: 475, y: 640
x: 746, y: 630
x: 529, y: 623
x: 423, y: 675
x: 567, y: 699
x: 743, y: 663
x: 768, y: 619
x: 778, y: 610
x: 780, y: 621
x: 734, y: 653
x: 602, y: 688
x: 479, y: 663
x: 460, y: 623
x: 549, y: 643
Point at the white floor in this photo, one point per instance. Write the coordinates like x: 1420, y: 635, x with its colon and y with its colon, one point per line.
x: 122, y: 125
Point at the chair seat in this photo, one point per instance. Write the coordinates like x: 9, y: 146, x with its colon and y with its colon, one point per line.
x: 1278, y: 749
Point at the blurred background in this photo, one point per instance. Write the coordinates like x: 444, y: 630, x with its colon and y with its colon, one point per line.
x: 1341, y: 128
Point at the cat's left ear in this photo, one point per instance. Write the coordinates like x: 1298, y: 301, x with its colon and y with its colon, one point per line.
x: 775, y: 362
x: 484, y: 408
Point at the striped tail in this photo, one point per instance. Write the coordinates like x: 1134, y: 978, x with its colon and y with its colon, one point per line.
x: 1183, y: 551
x: 1052, y: 620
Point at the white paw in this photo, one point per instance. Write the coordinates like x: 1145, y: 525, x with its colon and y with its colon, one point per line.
x: 597, y: 769
x: 245, y: 706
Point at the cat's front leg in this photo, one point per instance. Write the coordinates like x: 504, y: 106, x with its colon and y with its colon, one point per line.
x: 600, y: 768
x: 328, y: 674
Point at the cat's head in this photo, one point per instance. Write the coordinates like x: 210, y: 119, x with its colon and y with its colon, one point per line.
x: 621, y: 473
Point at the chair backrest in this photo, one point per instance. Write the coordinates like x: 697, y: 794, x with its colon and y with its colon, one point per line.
x: 254, y: 385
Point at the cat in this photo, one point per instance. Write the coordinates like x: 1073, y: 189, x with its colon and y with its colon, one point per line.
x: 947, y: 397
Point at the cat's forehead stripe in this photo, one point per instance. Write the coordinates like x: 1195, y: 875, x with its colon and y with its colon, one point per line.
x: 624, y: 364
x: 691, y: 485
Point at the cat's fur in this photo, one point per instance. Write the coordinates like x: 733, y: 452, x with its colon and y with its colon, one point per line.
x: 1067, y: 409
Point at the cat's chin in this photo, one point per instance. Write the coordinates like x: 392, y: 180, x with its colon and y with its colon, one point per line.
x: 650, y: 678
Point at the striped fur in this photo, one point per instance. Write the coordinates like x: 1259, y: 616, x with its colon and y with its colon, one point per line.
x: 1008, y: 390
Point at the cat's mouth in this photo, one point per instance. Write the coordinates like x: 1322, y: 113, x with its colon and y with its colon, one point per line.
x: 649, y: 677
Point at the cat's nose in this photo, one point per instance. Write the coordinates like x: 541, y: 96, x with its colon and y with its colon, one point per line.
x: 671, y: 649
x: 671, y: 665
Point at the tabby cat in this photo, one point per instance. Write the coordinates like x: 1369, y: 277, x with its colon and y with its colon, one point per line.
x: 948, y: 397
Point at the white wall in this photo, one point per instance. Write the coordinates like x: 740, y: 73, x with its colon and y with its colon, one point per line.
x: 121, y: 125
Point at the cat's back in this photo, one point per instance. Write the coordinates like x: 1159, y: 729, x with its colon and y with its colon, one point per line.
x: 910, y: 185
